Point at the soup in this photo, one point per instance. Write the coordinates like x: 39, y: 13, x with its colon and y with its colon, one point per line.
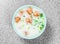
x: 29, y: 22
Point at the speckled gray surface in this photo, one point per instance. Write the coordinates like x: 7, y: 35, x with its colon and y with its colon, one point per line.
x: 52, y: 32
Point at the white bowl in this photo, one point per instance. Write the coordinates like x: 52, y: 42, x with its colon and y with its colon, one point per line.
x: 18, y: 32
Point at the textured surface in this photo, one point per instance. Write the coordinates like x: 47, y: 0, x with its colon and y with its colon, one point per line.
x: 52, y: 32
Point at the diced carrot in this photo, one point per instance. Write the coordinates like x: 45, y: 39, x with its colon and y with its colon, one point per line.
x: 29, y: 20
x: 29, y: 10
x: 17, y: 19
x: 26, y: 33
x: 21, y: 12
x: 36, y: 13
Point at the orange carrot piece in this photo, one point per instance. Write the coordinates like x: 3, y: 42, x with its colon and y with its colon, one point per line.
x: 26, y: 33
x: 17, y: 19
x: 29, y: 20
x: 21, y: 12
x: 36, y: 13
x: 29, y: 10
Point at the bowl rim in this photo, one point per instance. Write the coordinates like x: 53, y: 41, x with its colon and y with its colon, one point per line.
x: 16, y: 13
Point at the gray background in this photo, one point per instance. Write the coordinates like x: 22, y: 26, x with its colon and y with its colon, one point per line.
x: 50, y: 36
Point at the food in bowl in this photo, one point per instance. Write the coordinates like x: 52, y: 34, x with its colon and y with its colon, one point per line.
x: 29, y: 21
